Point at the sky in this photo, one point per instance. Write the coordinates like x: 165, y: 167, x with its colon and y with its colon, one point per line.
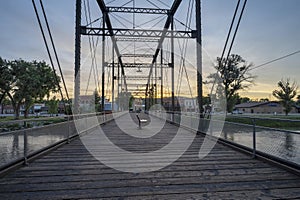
x: 269, y: 29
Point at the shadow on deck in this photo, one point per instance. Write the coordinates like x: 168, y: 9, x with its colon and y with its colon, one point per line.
x: 71, y: 172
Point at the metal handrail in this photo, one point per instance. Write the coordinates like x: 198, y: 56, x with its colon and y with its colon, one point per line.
x: 254, y: 131
x: 69, y: 135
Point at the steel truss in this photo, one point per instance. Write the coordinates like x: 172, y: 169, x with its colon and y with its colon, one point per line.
x: 137, y: 65
x: 137, y: 55
x: 135, y: 85
x: 138, y: 10
x: 137, y: 78
x: 136, y: 90
x: 137, y: 33
x: 136, y: 39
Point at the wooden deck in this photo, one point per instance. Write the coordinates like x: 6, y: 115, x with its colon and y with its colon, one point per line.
x: 71, y: 172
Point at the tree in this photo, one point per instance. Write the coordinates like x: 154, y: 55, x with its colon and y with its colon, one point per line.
x: 235, y: 76
x: 285, y: 94
x: 53, y: 106
x: 264, y: 100
x: 5, y: 79
x: 97, y: 101
x: 31, y: 81
x: 298, y: 99
x: 242, y: 99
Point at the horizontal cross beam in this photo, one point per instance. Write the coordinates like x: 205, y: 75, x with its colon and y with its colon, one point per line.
x: 136, y: 33
x: 140, y: 78
x: 128, y: 55
x: 135, y: 85
x: 138, y: 10
x: 137, y: 65
x: 136, y: 39
x: 136, y: 90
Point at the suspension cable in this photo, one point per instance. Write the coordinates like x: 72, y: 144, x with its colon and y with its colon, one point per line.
x: 54, y: 49
x: 274, y: 60
x: 230, y: 29
x: 235, y: 32
x: 48, y: 51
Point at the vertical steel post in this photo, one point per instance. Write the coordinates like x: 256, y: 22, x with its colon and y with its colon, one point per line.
x: 161, y: 76
x: 113, y: 79
x: 118, y: 87
x: 173, y: 66
x: 68, y: 141
x: 199, y: 57
x: 103, y: 65
x: 25, y: 147
x: 254, y: 138
x: 77, y: 57
x: 155, y: 84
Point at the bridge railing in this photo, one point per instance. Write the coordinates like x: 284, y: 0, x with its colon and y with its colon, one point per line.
x: 18, y: 146
x: 273, y: 143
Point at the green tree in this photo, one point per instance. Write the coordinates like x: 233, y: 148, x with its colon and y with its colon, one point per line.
x: 53, y: 106
x: 97, y: 101
x: 298, y: 99
x: 264, y: 100
x: 6, y: 79
x: 235, y: 75
x: 285, y: 94
x: 31, y: 81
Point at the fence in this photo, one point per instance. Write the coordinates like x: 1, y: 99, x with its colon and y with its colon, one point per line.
x: 276, y: 144
x: 17, y: 146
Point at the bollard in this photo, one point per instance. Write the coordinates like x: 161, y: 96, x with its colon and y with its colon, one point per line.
x: 254, y: 138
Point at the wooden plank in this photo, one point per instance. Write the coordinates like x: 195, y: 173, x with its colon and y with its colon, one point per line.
x: 71, y: 172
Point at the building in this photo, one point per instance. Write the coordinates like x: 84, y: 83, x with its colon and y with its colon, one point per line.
x: 268, y: 107
x: 7, y: 109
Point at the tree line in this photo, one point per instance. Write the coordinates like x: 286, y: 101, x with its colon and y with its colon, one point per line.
x: 26, y: 82
x: 235, y: 75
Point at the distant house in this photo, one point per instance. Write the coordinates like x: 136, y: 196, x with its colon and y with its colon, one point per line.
x: 87, y: 103
x: 7, y: 109
x: 268, y: 107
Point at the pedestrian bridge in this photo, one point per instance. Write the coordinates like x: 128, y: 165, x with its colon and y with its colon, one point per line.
x: 89, y: 168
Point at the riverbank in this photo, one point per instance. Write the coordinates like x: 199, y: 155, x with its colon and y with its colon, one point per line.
x: 8, y: 123
x: 290, y: 122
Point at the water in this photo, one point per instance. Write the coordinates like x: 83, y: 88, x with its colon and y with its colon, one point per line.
x: 276, y: 143
x: 12, y: 143
x: 279, y: 144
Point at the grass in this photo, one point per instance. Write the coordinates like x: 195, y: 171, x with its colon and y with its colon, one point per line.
x: 10, y: 124
x: 12, y: 118
x: 271, y: 121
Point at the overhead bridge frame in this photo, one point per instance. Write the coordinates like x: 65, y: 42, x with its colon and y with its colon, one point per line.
x: 140, y: 35
x: 127, y: 55
x: 136, y: 39
x: 136, y: 65
x: 138, y: 10
x: 137, y: 33
x: 140, y: 78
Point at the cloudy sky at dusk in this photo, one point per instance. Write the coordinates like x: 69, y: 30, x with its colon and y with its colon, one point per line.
x: 269, y: 29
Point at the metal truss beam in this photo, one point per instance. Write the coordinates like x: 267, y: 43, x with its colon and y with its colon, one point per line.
x: 137, y: 33
x: 136, y: 39
x: 137, y: 10
x: 137, y: 78
x: 172, y: 11
x: 137, y: 55
x: 136, y: 90
x: 103, y: 9
x: 135, y: 85
x: 135, y: 65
